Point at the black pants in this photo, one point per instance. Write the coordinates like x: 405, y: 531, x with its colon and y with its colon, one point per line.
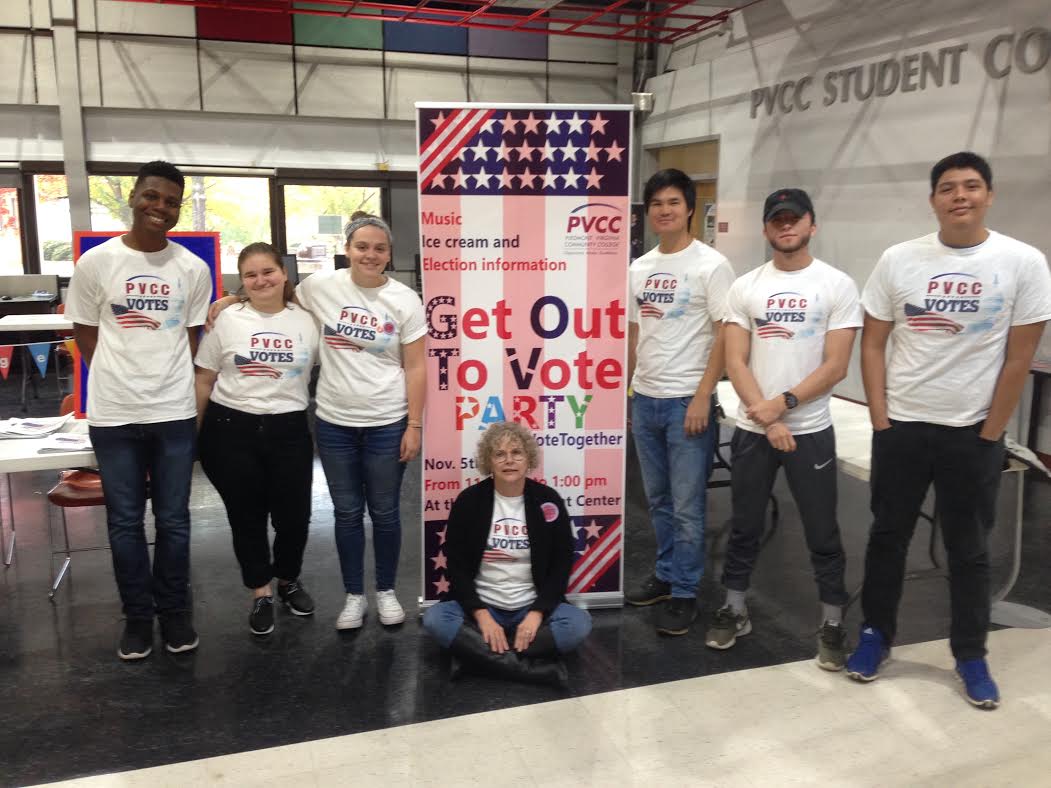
x: 966, y: 474
x: 262, y: 466
x: 811, y: 473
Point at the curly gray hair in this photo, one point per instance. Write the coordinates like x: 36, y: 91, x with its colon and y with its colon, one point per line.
x: 495, y: 435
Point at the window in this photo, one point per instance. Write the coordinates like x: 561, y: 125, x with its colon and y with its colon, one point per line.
x: 54, y: 229
x: 10, y: 232
x: 238, y: 208
x: 315, y: 217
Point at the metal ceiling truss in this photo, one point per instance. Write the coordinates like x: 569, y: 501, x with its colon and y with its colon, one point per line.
x: 652, y: 21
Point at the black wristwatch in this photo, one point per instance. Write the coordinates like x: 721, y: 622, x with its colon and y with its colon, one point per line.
x: 791, y: 400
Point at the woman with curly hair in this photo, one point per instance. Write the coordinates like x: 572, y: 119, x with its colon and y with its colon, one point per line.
x: 510, y: 550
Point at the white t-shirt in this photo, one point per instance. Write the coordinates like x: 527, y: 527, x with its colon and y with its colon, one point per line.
x: 263, y: 360
x: 142, y: 303
x: 362, y: 382
x: 674, y: 298
x: 952, y: 310
x: 505, y: 576
x: 789, y: 313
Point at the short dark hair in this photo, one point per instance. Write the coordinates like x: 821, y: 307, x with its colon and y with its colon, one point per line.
x: 676, y: 179
x: 960, y: 161
x: 161, y: 169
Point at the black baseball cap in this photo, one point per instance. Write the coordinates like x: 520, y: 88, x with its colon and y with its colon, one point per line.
x: 795, y: 200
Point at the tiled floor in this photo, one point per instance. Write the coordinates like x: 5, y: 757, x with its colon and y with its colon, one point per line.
x: 785, y: 725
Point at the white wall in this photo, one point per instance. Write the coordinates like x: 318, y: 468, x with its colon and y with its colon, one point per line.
x: 865, y: 164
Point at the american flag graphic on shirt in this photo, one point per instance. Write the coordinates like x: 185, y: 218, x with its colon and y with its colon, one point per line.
x: 767, y: 329
x: 336, y: 340
x: 647, y: 309
x: 247, y: 366
x: 129, y: 318
x: 919, y: 319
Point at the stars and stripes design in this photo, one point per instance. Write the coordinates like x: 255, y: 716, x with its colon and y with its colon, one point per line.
x: 336, y: 340
x: 511, y: 152
x: 129, y: 318
x: 767, y: 329
x: 919, y: 319
x: 497, y: 555
x: 647, y: 309
x: 247, y: 366
x: 596, y: 550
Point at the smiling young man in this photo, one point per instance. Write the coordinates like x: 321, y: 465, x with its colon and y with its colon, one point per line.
x: 136, y: 302
x: 790, y: 326
x: 675, y: 358
x: 965, y: 307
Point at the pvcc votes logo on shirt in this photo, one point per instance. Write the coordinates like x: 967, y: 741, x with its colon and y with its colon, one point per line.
x: 949, y: 293
x: 359, y: 329
x: 143, y: 294
x: 266, y: 348
x: 658, y: 294
x: 782, y: 308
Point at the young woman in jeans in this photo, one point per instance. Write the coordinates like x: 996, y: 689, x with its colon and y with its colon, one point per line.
x: 252, y: 372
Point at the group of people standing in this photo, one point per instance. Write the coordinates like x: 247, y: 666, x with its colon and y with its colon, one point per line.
x: 963, y: 310
x: 137, y: 303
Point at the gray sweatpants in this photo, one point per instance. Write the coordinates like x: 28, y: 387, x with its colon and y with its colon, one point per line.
x: 811, y: 473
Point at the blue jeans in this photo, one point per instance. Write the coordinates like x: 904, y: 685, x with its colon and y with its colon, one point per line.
x: 362, y: 467
x: 569, y: 624
x: 128, y: 455
x: 675, y: 470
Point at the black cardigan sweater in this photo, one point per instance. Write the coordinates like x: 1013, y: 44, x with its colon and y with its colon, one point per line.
x: 550, y: 543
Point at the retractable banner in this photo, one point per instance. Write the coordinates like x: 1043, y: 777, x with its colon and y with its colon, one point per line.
x: 524, y: 243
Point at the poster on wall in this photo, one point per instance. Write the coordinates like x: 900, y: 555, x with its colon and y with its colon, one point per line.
x: 524, y: 244
x: 204, y: 245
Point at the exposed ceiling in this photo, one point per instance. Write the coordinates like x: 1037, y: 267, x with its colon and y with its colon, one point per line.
x: 657, y: 21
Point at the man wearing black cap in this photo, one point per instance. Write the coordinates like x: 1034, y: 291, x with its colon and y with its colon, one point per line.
x: 790, y: 326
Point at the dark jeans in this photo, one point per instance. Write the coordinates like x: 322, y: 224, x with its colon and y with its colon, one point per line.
x: 127, y: 456
x: 362, y: 467
x: 569, y: 625
x: 811, y: 473
x: 966, y: 472
x: 263, y: 468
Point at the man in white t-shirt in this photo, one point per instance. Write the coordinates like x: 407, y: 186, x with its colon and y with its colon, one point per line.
x: 675, y: 358
x: 965, y: 308
x: 136, y: 302
x: 790, y: 326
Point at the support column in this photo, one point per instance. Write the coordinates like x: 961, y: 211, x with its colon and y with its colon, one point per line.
x: 71, y: 115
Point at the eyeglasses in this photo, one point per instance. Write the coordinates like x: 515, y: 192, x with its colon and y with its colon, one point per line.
x: 515, y: 455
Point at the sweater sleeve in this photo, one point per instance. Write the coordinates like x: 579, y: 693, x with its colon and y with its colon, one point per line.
x: 553, y: 589
x: 462, y: 568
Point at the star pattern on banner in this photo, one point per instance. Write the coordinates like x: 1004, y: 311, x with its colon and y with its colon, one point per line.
x: 508, y: 152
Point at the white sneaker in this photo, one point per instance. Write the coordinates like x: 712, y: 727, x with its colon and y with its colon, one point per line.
x: 390, y: 611
x: 353, y: 612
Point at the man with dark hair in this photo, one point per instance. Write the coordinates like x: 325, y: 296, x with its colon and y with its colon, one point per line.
x: 790, y: 327
x: 675, y: 358
x: 965, y: 307
x: 136, y: 302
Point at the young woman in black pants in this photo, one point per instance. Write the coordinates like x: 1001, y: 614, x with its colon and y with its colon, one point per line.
x: 252, y: 372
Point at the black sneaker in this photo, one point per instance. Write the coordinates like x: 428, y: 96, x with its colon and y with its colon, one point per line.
x: 296, y: 598
x: 178, y: 633
x: 650, y: 592
x: 261, y: 619
x: 137, y: 640
x: 676, y: 616
x: 832, y: 647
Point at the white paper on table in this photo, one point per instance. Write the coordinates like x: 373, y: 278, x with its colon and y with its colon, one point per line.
x: 64, y: 441
x: 33, y: 428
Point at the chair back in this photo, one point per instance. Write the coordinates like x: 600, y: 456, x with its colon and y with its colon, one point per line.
x: 68, y: 405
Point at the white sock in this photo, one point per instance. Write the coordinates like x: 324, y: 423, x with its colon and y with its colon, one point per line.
x: 831, y: 614
x: 735, y: 601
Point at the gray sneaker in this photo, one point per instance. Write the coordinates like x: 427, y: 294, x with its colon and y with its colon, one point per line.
x: 832, y: 647
x: 726, y: 627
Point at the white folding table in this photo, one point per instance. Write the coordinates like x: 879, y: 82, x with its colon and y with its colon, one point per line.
x: 854, y: 458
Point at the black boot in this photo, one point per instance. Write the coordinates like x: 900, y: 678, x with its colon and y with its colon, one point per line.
x: 471, y: 649
x: 543, y: 645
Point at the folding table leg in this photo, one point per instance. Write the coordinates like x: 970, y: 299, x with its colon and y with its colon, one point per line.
x: 9, y: 553
x: 65, y: 564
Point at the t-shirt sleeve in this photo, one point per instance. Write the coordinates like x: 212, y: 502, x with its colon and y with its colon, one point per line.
x: 846, y: 312
x: 83, y: 303
x: 719, y: 283
x: 200, y: 296
x: 304, y: 290
x: 877, y: 297
x: 735, y: 311
x: 414, y: 325
x: 209, y: 351
x: 1033, y: 302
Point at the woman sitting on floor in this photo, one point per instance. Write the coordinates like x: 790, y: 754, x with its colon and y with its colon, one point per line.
x: 510, y: 550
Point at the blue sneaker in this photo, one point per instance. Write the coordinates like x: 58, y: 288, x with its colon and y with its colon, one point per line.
x: 863, y: 664
x: 978, y: 685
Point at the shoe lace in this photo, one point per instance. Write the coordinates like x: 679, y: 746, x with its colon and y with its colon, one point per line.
x: 724, y: 616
